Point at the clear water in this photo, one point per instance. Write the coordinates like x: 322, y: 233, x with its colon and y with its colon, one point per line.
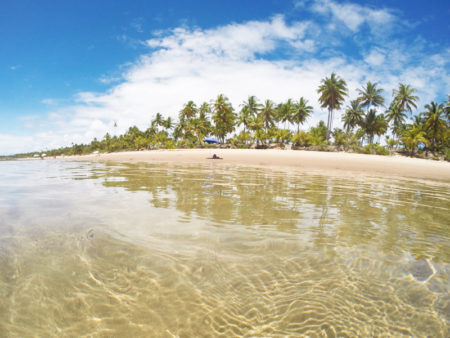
x: 165, y: 250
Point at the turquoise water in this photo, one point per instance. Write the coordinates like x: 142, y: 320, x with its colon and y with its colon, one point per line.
x: 171, y: 250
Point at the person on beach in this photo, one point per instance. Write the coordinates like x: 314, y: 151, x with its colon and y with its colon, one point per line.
x: 215, y: 157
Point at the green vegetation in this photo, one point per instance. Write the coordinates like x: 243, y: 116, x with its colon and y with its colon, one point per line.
x: 267, y: 124
x: 332, y: 93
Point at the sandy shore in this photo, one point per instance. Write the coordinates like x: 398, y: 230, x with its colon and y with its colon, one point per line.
x: 289, y: 159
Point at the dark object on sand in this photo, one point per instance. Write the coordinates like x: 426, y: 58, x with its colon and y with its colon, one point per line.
x: 215, y: 157
x: 90, y: 234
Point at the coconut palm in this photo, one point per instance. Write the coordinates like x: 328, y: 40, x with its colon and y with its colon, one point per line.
x: 447, y: 108
x: 250, y: 109
x: 205, y: 109
x: 168, y: 123
x: 397, y: 116
x: 252, y: 105
x: 435, y: 125
x: 412, y: 136
x: 158, y: 120
x: 201, y: 127
x: 404, y: 98
x: 301, y: 112
x: 223, y: 117
x: 370, y: 96
x: 373, y: 124
x: 332, y: 92
x: 189, y: 111
x: 382, y: 126
x: 353, y: 116
x: 267, y: 114
x: 244, y: 117
x: 285, y: 112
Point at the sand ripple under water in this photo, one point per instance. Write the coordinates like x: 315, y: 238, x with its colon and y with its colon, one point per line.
x: 136, y: 257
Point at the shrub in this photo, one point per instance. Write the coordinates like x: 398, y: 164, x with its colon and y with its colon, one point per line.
x: 302, y: 139
x: 381, y: 150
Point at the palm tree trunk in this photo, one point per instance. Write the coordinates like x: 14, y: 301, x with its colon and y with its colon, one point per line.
x: 330, y: 114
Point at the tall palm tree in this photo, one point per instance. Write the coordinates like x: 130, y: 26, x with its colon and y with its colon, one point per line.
x: 223, y: 117
x: 435, y: 125
x: 250, y: 109
x: 447, y: 108
x: 205, y: 109
x: 189, y: 111
x: 404, y: 98
x: 373, y: 124
x: 285, y: 112
x: 396, y: 115
x: 168, y: 123
x: 382, y: 126
x: 201, y: 126
x: 252, y: 105
x: 158, y: 120
x: 301, y: 112
x: 332, y: 91
x: 353, y: 116
x: 370, y: 96
x: 267, y: 114
x: 244, y: 117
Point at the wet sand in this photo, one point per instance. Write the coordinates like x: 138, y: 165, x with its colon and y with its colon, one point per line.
x: 338, y: 162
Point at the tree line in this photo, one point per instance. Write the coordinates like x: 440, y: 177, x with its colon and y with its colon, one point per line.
x: 263, y: 124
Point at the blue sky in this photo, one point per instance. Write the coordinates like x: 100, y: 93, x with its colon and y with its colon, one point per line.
x: 69, y: 69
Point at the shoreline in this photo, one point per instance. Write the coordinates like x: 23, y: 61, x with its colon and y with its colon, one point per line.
x: 337, y: 162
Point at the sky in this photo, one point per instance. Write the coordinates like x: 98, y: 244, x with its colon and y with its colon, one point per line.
x: 70, y: 69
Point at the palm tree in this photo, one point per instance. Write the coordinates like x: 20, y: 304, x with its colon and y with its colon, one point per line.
x: 370, y: 96
x: 435, y: 125
x: 252, y: 105
x: 250, y: 109
x: 201, y: 127
x: 285, y: 112
x: 373, y: 124
x: 353, y: 116
x: 301, y: 112
x: 267, y: 114
x: 404, y: 98
x: 205, y: 109
x: 447, y: 108
x: 332, y: 92
x: 189, y: 111
x: 382, y: 126
x: 411, y: 138
x: 223, y: 117
x: 396, y: 115
x: 158, y: 120
x: 244, y: 117
x: 168, y: 123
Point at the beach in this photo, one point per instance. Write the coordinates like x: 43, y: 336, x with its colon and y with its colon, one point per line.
x: 331, y: 162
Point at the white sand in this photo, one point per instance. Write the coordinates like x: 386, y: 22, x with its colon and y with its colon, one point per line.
x: 343, y: 163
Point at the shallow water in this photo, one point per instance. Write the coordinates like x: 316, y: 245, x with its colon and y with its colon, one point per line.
x: 167, y: 250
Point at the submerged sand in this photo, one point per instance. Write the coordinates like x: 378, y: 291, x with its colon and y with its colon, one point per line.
x: 338, y: 162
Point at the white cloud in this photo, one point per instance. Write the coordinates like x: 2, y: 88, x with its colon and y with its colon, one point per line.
x: 353, y: 15
x: 375, y: 57
x: 272, y: 59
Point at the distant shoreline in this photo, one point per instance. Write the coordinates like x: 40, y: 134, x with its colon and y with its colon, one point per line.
x: 337, y: 162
